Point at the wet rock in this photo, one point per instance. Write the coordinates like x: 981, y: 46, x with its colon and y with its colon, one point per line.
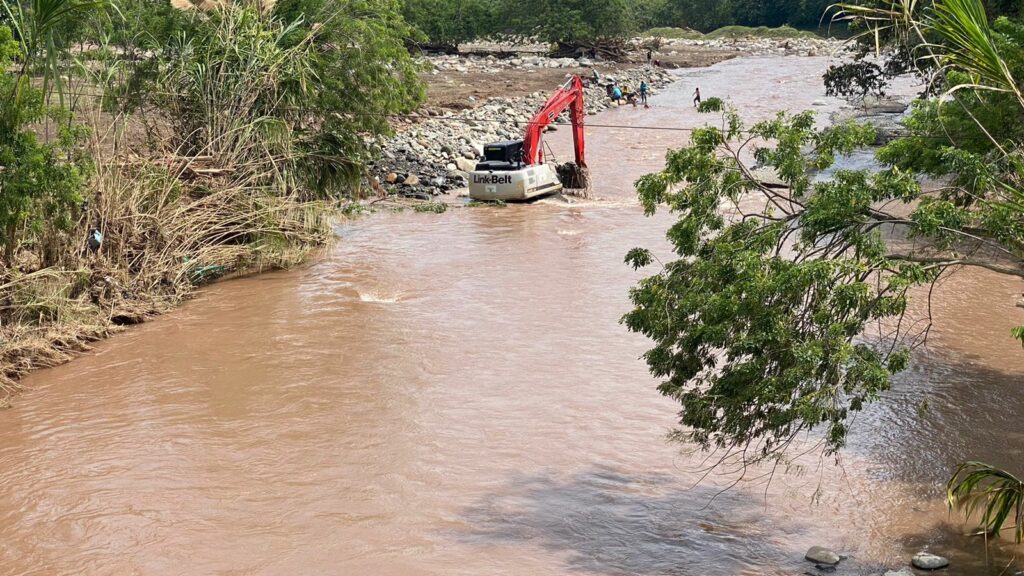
x: 822, y: 555
x: 883, y: 105
x: 926, y: 561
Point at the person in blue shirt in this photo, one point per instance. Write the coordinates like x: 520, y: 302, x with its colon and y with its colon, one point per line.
x: 616, y: 93
x: 644, y: 89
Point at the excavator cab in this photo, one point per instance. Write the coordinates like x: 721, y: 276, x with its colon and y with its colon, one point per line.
x: 507, y: 155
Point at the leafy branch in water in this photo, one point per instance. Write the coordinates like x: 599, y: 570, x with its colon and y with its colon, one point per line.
x: 761, y: 325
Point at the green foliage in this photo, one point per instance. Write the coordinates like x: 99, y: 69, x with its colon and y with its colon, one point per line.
x: 572, y: 22
x: 40, y: 181
x: 447, y: 23
x: 144, y: 25
x: 755, y: 324
x: 431, y: 207
x: 708, y: 15
x: 285, y: 99
x: 362, y: 73
x: 759, y: 327
x: 998, y: 494
x: 855, y: 79
x: 781, y: 32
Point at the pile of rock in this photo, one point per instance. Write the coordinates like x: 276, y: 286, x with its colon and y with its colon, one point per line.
x: 491, y: 64
x: 761, y: 46
x: 434, y: 156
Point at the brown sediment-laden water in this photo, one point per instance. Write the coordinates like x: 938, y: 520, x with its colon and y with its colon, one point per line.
x: 453, y: 395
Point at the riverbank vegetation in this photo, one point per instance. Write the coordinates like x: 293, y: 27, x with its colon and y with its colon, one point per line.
x: 147, y: 149
x: 591, y: 23
x: 727, y: 32
x: 785, y: 317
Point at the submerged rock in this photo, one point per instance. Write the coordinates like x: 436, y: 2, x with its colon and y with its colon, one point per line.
x: 926, y: 561
x: 822, y: 555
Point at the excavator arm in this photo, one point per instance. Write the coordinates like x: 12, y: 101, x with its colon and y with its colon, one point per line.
x: 569, y: 96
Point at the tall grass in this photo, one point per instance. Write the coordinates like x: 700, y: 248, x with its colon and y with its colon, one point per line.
x: 218, y: 195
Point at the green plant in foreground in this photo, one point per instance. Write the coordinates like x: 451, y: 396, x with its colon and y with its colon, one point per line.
x: 783, y: 311
x: 997, y: 494
x: 40, y: 179
x: 433, y: 207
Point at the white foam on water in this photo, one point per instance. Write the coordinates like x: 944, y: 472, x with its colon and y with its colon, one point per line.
x: 378, y: 297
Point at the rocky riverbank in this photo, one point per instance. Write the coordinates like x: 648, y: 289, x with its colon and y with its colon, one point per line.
x: 886, y: 114
x: 433, y: 151
x: 434, y: 155
x: 754, y: 46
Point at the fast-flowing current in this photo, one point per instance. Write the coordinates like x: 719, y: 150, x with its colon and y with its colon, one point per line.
x: 453, y: 394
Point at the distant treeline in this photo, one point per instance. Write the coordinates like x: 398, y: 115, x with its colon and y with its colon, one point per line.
x: 450, y: 22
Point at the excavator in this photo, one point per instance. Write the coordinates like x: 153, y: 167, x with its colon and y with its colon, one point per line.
x: 515, y: 170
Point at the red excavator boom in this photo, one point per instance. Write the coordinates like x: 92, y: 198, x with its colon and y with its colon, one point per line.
x: 570, y: 96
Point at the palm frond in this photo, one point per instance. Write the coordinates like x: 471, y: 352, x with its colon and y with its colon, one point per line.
x: 899, y: 20
x: 965, y: 43
x: 997, y: 494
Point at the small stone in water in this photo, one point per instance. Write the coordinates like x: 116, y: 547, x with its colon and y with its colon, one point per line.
x: 926, y: 561
x: 820, y: 555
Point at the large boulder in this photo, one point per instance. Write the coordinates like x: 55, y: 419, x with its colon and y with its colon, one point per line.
x: 822, y: 555
x: 926, y: 561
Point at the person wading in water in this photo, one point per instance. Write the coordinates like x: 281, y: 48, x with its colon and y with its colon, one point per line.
x: 696, y: 97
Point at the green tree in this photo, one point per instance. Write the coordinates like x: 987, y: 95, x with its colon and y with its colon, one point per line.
x: 760, y: 324
x: 447, y: 24
x: 572, y: 23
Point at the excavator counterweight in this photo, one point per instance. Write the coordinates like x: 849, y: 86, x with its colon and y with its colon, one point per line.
x: 515, y: 170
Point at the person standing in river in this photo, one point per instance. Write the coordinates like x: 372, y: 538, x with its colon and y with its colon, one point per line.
x: 696, y: 97
x: 644, y: 89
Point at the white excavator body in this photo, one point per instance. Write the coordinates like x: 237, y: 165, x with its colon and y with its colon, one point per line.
x: 522, y: 184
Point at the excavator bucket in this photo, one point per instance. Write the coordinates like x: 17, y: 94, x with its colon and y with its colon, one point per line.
x: 574, y: 178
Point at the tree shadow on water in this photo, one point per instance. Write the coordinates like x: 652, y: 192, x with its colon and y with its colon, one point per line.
x: 606, y: 522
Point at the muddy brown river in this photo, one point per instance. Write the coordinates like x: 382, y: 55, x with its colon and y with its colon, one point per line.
x: 453, y: 395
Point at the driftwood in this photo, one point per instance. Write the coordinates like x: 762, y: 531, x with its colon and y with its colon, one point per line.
x: 605, y: 49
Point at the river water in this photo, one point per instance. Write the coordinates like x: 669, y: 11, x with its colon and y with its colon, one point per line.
x: 453, y: 394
